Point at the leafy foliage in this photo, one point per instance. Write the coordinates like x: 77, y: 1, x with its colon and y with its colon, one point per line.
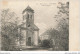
x: 46, y: 43
x: 9, y: 30
x: 59, y: 37
x: 63, y: 25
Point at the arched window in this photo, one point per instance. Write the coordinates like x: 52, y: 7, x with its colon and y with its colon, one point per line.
x: 29, y: 41
x: 28, y: 15
x: 31, y: 16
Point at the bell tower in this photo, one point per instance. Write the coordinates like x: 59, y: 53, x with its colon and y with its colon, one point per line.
x: 28, y: 19
x: 28, y: 16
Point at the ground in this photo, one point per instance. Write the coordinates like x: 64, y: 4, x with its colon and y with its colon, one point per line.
x: 36, y: 49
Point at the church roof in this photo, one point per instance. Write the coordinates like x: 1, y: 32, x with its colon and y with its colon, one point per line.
x: 35, y: 27
x: 32, y: 27
x: 28, y: 9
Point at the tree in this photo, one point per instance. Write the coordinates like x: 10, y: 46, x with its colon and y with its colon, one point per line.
x: 59, y: 37
x: 9, y: 30
x: 53, y: 38
x: 62, y: 18
x: 46, y: 43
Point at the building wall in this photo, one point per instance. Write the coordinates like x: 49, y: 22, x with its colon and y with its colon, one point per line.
x: 23, y: 41
x: 32, y: 34
x: 29, y: 34
x: 35, y: 38
x: 28, y: 18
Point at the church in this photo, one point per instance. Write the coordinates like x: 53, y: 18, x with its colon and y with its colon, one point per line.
x: 28, y: 30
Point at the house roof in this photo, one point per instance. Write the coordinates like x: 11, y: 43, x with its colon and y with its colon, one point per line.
x: 28, y: 9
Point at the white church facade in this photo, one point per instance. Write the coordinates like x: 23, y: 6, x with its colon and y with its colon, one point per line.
x: 28, y: 30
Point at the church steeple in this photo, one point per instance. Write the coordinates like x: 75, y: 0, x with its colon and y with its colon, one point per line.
x: 28, y: 9
x: 28, y: 15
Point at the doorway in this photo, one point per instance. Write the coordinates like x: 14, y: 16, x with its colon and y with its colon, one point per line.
x: 29, y: 41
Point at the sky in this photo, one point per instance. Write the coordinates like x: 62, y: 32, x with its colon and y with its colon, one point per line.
x: 44, y: 11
